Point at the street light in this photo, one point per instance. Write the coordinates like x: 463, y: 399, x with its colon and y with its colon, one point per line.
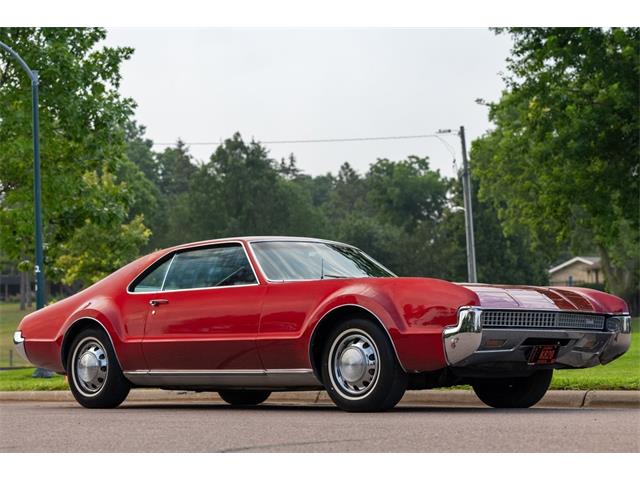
x: 39, y: 266
x: 468, y: 210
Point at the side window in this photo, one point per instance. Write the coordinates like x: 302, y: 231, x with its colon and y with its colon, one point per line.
x: 152, y: 281
x: 210, y: 267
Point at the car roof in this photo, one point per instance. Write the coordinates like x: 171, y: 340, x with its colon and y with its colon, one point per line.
x: 260, y: 238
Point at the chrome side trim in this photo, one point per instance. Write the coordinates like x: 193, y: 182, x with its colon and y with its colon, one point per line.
x: 272, y: 378
x: 176, y: 251
x: 195, y: 372
x: 18, y: 343
x: 313, y: 332
x: 462, y: 339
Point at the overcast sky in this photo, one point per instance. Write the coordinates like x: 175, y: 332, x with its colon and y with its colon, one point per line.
x: 202, y: 85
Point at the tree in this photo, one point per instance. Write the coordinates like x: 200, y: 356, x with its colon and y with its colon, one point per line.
x: 87, y: 183
x: 563, y: 158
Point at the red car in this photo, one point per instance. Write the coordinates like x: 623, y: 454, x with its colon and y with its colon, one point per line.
x: 247, y: 316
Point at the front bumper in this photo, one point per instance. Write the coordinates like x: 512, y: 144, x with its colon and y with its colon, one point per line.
x: 18, y: 344
x: 469, y: 345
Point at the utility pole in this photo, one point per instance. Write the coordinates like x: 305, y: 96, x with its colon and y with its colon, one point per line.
x: 39, y: 257
x: 468, y: 211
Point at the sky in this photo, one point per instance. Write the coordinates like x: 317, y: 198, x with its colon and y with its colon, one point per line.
x: 203, y: 85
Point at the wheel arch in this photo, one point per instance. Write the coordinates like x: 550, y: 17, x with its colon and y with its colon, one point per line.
x: 334, y: 317
x: 79, y: 325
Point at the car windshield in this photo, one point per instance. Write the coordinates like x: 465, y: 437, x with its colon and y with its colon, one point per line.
x: 289, y: 260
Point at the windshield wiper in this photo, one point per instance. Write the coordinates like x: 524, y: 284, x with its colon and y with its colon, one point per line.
x: 328, y: 275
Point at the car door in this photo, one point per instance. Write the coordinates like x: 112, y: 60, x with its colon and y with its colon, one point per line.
x: 206, y: 314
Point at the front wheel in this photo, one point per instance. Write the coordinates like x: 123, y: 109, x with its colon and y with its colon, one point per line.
x: 244, y: 397
x: 359, y: 368
x: 95, y: 378
x: 519, y: 392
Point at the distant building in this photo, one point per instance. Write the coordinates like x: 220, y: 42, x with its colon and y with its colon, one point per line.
x: 577, y: 271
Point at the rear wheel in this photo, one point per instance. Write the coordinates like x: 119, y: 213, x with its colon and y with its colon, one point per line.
x: 359, y: 368
x: 244, y: 397
x: 519, y: 392
x: 95, y: 378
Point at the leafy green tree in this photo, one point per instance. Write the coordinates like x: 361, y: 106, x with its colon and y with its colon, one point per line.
x: 87, y: 184
x: 407, y: 192
x: 563, y: 158
x: 241, y: 191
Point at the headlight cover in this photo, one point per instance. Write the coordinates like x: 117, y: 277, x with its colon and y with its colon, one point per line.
x: 619, y: 323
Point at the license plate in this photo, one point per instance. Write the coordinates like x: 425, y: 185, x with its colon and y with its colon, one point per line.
x: 543, y: 354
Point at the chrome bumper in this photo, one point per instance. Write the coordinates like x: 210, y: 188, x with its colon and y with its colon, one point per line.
x: 461, y: 340
x: 18, y: 343
x: 468, y: 344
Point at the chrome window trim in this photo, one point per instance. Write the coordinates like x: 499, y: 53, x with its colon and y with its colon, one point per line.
x: 197, y: 247
x: 289, y: 280
x: 164, y: 279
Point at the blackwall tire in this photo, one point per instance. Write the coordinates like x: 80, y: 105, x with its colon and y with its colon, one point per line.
x: 519, y: 392
x: 359, y: 368
x: 93, y: 372
x: 244, y: 398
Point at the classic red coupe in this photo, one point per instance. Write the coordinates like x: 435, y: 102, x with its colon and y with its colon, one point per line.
x: 247, y: 316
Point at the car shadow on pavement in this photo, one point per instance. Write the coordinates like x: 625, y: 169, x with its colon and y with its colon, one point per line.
x: 398, y: 410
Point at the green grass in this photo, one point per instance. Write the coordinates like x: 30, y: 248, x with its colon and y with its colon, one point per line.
x: 621, y: 374
x: 10, y: 316
x: 15, y: 380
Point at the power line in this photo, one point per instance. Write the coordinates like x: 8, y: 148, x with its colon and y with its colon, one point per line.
x: 319, y: 140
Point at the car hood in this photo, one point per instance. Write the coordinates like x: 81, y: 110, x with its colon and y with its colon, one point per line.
x: 546, y: 298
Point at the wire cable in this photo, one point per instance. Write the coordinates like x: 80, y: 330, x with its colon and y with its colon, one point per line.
x: 323, y: 140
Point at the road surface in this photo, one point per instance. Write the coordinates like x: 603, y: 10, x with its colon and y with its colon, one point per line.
x: 215, y: 427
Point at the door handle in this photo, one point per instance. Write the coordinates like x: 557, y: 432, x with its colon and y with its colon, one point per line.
x: 158, y: 301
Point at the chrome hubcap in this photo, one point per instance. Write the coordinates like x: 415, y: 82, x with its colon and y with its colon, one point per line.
x: 91, y: 366
x: 354, y: 363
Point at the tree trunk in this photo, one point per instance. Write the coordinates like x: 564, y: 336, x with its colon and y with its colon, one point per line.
x: 620, y: 281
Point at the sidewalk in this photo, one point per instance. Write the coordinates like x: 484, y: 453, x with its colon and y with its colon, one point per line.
x: 441, y: 398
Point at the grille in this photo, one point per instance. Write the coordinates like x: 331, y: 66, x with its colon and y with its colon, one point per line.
x: 520, y: 319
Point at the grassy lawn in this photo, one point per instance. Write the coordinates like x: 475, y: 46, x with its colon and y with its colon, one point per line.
x: 621, y: 374
x: 10, y: 316
x: 14, y: 380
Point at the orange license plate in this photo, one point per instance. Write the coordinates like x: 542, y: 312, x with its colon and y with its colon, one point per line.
x: 543, y: 354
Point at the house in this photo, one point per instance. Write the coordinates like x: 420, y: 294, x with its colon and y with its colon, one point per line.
x: 577, y: 271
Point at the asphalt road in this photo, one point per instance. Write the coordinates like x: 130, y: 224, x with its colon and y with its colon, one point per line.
x: 215, y: 427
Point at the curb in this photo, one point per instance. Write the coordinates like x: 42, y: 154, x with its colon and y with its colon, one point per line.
x: 449, y: 398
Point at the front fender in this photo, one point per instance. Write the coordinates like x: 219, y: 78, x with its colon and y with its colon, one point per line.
x: 414, y: 312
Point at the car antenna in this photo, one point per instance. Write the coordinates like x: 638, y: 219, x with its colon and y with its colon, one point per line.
x: 321, y: 268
